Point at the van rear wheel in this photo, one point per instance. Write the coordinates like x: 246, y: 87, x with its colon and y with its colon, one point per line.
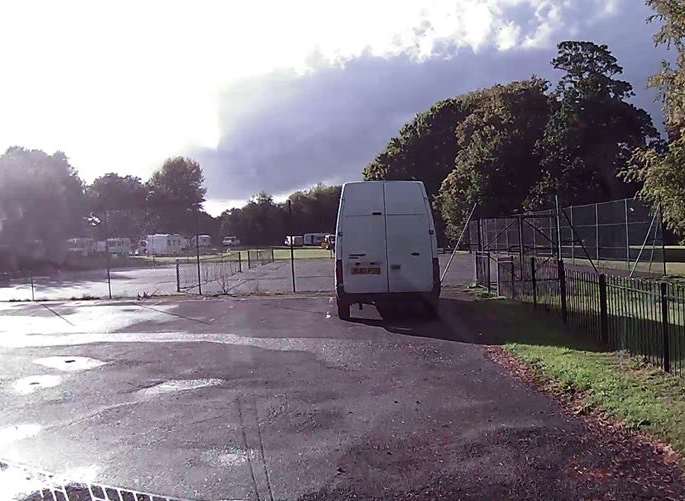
x: 430, y: 307
x: 343, y: 310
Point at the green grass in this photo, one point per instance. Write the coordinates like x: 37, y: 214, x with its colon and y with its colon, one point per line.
x: 643, y: 398
x: 279, y: 253
x: 569, y: 362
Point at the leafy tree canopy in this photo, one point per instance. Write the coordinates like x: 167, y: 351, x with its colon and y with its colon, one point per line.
x: 174, y: 194
x: 41, y: 202
x: 496, y: 156
x: 659, y: 169
x: 590, y: 137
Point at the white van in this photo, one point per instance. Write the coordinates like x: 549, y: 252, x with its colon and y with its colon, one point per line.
x: 386, y: 248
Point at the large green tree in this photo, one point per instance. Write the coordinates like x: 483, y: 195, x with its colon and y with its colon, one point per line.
x: 314, y: 210
x: 175, y: 194
x: 496, y: 159
x: 119, y: 202
x: 590, y: 137
x: 41, y: 204
x: 660, y: 169
x: 426, y: 147
x: 260, y: 222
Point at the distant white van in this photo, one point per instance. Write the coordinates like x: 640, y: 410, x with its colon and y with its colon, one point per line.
x: 386, y: 248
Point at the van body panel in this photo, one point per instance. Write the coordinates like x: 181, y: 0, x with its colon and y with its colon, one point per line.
x: 362, y: 245
x: 385, y: 240
x: 410, y: 259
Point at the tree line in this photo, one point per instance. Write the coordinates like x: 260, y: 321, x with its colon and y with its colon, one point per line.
x: 44, y: 202
x: 262, y: 221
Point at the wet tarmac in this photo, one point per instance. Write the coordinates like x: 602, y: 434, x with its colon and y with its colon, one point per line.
x: 274, y: 398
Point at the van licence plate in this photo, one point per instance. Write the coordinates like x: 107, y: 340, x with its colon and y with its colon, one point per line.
x: 373, y: 270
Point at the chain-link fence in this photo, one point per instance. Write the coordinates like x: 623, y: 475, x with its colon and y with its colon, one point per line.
x: 624, y: 235
x: 130, y: 253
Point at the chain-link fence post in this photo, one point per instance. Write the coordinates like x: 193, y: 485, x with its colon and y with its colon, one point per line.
x: 109, y: 256
x: 178, y: 276
x: 33, y: 295
x: 240, y: 261
x: 292, y: 251
x: 197, y: 249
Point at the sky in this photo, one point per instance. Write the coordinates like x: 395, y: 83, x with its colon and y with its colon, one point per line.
x: 275, y: 95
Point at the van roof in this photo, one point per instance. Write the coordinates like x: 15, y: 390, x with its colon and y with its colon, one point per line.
x: 383, y: 181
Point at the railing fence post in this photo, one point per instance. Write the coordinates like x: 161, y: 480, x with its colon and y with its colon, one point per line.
x: 487, y: 271
x: 562, y: 290
x: 476, y: 278
x: 664, y: 326
x: 178, y: 277
x: 533, y: 281
x: 498, y: 279
x: 603, y: 310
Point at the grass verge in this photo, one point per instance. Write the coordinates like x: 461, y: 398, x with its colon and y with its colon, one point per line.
x: 642, y: 398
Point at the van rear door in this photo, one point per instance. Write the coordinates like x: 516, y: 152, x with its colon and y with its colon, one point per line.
x: 408, y: 226
x: 361, y: 243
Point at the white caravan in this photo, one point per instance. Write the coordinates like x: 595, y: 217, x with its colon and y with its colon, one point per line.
x: 386, y: 248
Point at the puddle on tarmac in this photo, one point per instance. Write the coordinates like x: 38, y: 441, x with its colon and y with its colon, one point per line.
x: 178, y: 385
x: 28, y: 385
x: 227, y: 458
x: 17, y: 432
x: 69, y: 363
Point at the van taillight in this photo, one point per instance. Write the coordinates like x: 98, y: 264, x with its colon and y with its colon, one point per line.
x: 339, y: 271
x: 436, y: 271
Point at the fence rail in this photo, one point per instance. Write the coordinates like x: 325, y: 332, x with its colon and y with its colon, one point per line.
x: 643, y: 317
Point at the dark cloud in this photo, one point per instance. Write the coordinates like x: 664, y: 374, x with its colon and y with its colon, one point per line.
x: 285, y: 130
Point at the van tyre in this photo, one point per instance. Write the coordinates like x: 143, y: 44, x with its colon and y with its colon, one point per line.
x: 430, y: 308
x: 343, y: 310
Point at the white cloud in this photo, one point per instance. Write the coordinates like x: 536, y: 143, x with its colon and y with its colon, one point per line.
x: 121, y: 85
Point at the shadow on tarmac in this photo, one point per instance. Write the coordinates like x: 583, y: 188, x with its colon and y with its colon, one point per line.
x: 486, y: 322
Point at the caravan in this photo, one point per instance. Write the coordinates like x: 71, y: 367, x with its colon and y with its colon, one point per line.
x: 386, y: 248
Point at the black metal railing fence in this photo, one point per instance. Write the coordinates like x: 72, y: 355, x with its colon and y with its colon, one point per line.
x: 642, y: 317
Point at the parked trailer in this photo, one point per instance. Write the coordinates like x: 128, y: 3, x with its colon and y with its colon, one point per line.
x: 297, y: 240
x: 313, y: 238
x: 164, y: 244
x: 119, y: 246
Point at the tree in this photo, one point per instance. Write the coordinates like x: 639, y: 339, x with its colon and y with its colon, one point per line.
x: 262, y: 221
x: 590, y: 137
x: 496, y: 162
x: 121, y: 200
x: 41, y: 204
x: 315, y: 210
x: 426, y: 147
x: 660, y: 168
x: 175, y: 195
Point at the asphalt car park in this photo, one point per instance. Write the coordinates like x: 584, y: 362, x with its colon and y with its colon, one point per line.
x: 277, y: 398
